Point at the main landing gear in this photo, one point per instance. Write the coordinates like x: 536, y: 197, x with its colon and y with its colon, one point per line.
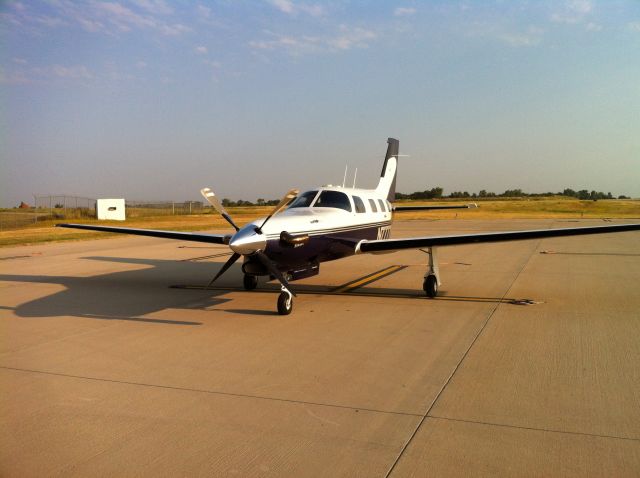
x: 432, y: 277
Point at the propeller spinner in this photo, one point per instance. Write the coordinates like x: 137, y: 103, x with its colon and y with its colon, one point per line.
x: 251, y: 241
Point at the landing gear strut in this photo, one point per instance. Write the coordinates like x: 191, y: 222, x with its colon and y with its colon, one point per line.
x: 285, y: 301
x: 250, y: 282
x: 432, y: 277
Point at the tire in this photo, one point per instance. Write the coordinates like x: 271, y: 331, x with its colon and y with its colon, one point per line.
x: 430, y: 286
x: 285, y: 304
x: 250, y: 282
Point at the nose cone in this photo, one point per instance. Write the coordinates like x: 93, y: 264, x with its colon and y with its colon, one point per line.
x: 247, y: 241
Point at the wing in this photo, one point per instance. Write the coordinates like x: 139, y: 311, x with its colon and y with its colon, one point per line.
x: 428, y: 208
x: 431, y: 241
x: 182, y: 236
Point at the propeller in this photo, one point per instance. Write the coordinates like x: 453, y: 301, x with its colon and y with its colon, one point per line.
x: 283, y: 202
x: 247, y: 239
x: 212, y: 199
x: 234, y: 257
x: 271, y: 267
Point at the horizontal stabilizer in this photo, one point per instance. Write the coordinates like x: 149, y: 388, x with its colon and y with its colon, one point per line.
x: 435, y: 207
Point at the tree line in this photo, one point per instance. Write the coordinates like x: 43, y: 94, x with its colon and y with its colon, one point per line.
x: 437, y: 193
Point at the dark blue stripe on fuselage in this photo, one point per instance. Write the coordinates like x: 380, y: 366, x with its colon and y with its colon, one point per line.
x: 320, y: 248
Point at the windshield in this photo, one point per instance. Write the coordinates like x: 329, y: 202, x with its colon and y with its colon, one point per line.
x: 304, y: 200
x: 333, y: 199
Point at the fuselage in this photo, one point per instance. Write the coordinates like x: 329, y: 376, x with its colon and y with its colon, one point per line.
x: 310, y: 229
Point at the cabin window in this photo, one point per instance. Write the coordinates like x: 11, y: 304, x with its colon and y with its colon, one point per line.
x: 382, y: 208
x: 333, y: 199
x: 304, y: 200
x: 373, y: 205
x: 359, y: 204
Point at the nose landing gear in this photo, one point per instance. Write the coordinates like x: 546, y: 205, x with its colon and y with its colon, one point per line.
x: 285, y: 301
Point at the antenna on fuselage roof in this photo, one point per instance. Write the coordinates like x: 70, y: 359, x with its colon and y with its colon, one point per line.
x: 344, y: 180
x: 354, y: 178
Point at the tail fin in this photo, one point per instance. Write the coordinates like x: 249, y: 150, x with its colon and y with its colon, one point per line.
x: 387, y: 184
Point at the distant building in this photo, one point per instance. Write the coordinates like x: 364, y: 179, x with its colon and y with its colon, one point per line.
x: 110, y: 209
x: 24, y: 205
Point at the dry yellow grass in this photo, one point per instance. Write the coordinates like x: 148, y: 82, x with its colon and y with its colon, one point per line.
x: 538, y: 208
x: 529, y: 208
x: 48, y: 232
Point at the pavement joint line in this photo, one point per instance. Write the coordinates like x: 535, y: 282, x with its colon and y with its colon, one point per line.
x: 520, y: 427
x: 211, y: 392
x: 455, y: 369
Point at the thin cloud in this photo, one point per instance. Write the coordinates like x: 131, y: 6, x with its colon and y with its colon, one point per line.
x: 201, y: 49
x: 103, y: 17
x: 634, y: 26
x: 291, y: 8
x: 593, y: 27
x: 351, y: 38
x: 76, y: 72
x: 573, y: 11
x: 404, y: 11
x: 532, y: 37
x: 513, y: 37
x: 156, y: 7
x: 346, y: 38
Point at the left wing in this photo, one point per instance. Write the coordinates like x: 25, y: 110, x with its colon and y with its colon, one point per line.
x: 385, y: 245
x: 182, y: 236
x: 428, y: 208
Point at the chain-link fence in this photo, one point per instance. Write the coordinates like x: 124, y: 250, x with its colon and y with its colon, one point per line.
x: 47, y: 208
x: 163, y: 208
x: 62, y: 207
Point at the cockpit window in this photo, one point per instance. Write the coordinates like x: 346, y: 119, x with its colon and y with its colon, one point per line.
x: 333, y: 199
x: 304, y: 200
x: 373, y: 205
x: 359, y: 204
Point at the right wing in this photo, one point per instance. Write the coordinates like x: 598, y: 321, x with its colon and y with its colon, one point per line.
x: 182, y: 236
x: 387, y: 245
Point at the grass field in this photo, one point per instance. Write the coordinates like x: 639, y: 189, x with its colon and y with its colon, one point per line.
x: 525, y: 208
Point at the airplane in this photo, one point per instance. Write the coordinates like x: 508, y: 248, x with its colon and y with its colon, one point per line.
x: 333, y: 222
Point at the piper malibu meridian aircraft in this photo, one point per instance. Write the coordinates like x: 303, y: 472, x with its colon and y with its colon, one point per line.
x: 329, y: 223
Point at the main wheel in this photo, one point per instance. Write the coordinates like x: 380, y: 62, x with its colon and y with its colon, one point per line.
x: 430, y: 286
x: 250, y: 282
x: 285, y: 304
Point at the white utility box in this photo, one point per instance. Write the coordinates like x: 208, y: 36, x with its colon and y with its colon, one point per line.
x: 111, y: 209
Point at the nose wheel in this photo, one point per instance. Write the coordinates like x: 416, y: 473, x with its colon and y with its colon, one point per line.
x: 285, y: 302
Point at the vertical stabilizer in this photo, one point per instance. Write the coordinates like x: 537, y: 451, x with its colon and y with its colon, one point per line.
x: 387, y: 185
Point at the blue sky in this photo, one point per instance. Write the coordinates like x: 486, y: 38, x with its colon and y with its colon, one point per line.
x: 147, y: 99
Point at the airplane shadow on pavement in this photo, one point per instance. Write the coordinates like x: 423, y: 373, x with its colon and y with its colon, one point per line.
x: 125, y: 295
x: 131, y: 295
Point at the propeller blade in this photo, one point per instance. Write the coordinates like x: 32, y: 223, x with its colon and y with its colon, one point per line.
x: 283, y: 202
x: 212, y: 199
x: 271, y: 267
x: 234, y: 257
